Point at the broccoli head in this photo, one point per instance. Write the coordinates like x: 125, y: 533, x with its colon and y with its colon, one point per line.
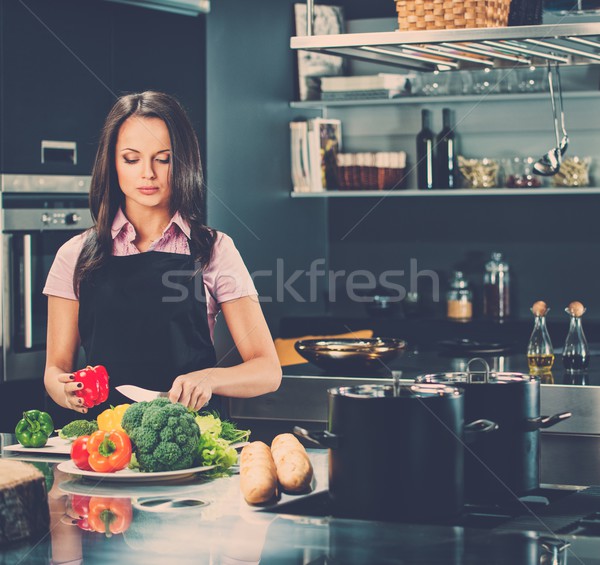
x: 164, y: 435
x: 78, y: 428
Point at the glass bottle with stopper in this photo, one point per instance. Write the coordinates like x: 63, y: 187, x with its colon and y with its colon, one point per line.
x: 576, y: 354
x: 540, y: 353
x: 496, y: 288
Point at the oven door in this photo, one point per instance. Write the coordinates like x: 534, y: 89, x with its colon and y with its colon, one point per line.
x: 27, y: 255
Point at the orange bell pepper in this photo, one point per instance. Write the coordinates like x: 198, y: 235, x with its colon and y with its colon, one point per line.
x: 109, y: 451
x: 109, y: 515
x: 111, y: 418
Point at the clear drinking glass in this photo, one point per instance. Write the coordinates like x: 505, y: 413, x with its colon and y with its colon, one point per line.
x: 483, y: 81
x: 435, y: 83
x: 531, y: 79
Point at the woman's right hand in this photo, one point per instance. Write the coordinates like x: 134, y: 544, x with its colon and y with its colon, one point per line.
x: 71, y: 400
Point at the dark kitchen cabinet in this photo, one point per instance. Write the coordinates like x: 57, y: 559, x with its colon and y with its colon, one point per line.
x: 165, y: 52
x: 64, y: 62
x: 55, y: 81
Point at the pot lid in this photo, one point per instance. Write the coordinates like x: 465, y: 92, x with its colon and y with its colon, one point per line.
x: 475, y: 377
x: 485, y: 376
x: 419, y: 390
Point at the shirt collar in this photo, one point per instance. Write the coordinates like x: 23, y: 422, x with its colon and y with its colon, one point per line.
x: 121, y: 222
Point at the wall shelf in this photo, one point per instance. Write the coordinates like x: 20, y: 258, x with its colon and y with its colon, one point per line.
x: 452, y: 193
x: 567, y: 44
x: 458, y: 98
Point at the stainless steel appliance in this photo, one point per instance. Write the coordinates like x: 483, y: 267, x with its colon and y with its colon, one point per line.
x: 38, y: 215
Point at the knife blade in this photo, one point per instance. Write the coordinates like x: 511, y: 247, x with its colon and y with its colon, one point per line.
x: 139, y: 394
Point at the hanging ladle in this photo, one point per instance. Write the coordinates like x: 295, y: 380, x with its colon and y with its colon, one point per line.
x: 564, y: 142
x: 549, y: 164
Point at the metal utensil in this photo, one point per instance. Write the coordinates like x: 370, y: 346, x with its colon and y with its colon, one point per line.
x: 549, y: 164
x: 139, y: 394
x: 564, y: 142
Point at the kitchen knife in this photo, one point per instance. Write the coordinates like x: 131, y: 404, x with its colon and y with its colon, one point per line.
x: 139, y: 394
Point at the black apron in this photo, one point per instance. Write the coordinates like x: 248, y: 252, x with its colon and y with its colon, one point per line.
x: 144, y: 318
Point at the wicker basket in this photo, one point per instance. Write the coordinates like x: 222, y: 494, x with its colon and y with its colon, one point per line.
x: 416, y: 15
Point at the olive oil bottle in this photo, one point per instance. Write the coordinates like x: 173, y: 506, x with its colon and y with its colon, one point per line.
x: 540, y: 353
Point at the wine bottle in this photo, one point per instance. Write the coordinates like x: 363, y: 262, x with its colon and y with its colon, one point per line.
x: 446, y: 153
x: 425, y: 161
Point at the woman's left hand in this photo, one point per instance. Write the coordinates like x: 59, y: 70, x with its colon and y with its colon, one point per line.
x: 193, y: 390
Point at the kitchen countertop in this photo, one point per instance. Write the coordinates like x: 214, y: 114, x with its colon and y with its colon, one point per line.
x: 227, y: 531
x: 418, y: 361
x: 303, y: 397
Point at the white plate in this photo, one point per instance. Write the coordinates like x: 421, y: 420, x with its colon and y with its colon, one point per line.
x: 54, y: 446
x: 129, y: 475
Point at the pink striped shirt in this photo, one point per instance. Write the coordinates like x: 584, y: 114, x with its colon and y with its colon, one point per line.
x: 226, y: 277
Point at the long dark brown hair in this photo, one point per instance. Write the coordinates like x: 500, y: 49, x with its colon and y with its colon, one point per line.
x: 187, y: 180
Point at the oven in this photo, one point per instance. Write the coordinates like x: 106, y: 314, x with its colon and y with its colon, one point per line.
x: 38, y: 215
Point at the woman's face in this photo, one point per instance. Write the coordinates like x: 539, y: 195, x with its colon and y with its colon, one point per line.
x: 143, y: 162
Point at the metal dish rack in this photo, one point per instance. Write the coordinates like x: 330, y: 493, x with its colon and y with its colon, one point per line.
x: 443, y: 50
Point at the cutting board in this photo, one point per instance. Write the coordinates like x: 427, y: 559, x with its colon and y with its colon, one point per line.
x: 23, y: 502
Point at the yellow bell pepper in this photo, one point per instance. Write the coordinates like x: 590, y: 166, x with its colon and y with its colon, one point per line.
x: 111, y: 418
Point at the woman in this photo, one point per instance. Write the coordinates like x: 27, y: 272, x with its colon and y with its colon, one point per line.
x: 141, y: 289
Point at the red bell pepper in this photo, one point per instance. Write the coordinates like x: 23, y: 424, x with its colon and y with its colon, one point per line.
x: 81, y: 506
x: 80, y: 454
x: 95, y: 385
x: 110, y: 515
x: 109, y: 451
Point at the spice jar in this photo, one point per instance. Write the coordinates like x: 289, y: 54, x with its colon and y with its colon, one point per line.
x: 496, y: 288
x: 459, y: 299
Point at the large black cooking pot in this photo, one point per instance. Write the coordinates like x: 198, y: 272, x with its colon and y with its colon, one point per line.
x: 507, y: 465
x: 396, y: 451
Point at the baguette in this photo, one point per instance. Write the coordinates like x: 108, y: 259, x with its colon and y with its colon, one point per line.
x: 293, y: 466
x: 258, y: 476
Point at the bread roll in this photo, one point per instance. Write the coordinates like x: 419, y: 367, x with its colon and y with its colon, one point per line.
x: 258, y: 476
x: 294, y: 469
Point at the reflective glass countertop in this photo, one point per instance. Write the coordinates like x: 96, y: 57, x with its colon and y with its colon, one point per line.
x: 204, y: 520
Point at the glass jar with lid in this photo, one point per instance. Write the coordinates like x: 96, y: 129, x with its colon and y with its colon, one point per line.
x: 459, y: 299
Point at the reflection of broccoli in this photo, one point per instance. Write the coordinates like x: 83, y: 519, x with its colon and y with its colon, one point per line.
x: 78, y: 428
x: 164, y: 435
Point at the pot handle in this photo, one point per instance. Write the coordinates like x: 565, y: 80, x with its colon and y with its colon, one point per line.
x: 554, y: 548
x: 546, y: 421
x: 474, y: 430
x: 321, y: 438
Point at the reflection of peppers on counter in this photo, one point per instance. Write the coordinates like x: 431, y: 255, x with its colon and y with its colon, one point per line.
x: 109, y: 451
x: 111, y: 418
x: 34, y: 429
x: 110, y: 515
x: 81, y: 506
x: 95, y: 385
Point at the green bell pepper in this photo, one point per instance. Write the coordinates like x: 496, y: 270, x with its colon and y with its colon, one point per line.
x: 34, y: 429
